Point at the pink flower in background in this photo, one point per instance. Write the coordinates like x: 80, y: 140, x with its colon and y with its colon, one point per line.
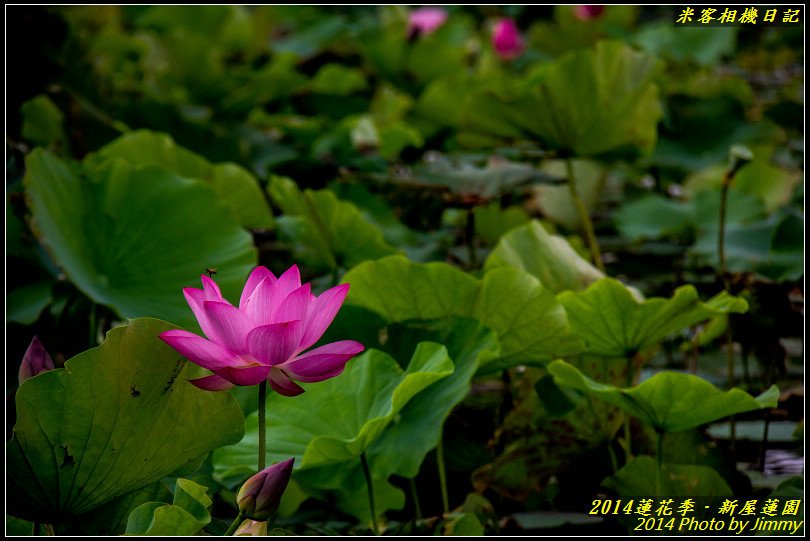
x: 264, y: 338
x: 425, y: 20
x: 506, y: 39
x: 260, y: 496
x: 35, y: 361
x: 586, y: 13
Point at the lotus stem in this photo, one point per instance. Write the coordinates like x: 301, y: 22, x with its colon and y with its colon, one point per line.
x: 370, y: 488
x: 235, y: 524
x: 730, y: 370
x: 262, y: 423
x: 739, y: 156
x: 764, y: 448
x: 596, y: 255
x: 442, y: 476
x: 415, y: 497
x: 628, y: 436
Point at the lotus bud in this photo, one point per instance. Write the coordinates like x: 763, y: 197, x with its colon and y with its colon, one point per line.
x: 252, y: 528
x: 587, y: 13
x: 35, y: 361
x: 506, y: 39
x: 259, y: 497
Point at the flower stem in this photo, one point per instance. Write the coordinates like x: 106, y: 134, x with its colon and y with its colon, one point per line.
x: 415, y: 497
x: 628, y: 436
x: 764, y: 448
x: 584, y: 216
x: 262, y: 424
x: 730, y: 376
x: 739, y: 156
x: 370, y: 488
x: 235, y: 524
x: 442, y: 476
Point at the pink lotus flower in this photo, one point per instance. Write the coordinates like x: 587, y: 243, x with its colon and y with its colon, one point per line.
x: 506, y: 39
x: 260, y: 496
x: 425, y: 20
x: 35, y: 361
x: 586, y: 13
x: 277, y: 319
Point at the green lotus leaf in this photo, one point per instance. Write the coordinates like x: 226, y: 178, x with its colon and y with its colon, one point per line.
x: 555, y: 202
x: 235, y: 187
x: 27, y: 302
x: 419, y: 424
x: 547, y: 257
x: 598, y: 100
x: 187, y: 515
x: 326, y: 232
x: 638, y: 479
x: 772, y: 247
x: 117, y: 418
x: 531, y: 325
x: 131, y: 238
x: 613, y: 323
x: 668, y: 401
x: 338, y: 419
x: 43, y: 122
x: 590, y: 102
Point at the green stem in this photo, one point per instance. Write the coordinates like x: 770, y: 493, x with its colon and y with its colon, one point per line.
x: 660, y: 460
x: 730, y: 375
x: 596, y: 255
x: 764, y: 447
x: 442, y: 476
x: 48, y: 529
x: 415, y: 497
x: 95, y: 112
x: 613, y: 462
x: 262, y: 424
x: 628, y: 436
x: 235, y: 524
x: 469, y: 236
x: 370, y: 488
